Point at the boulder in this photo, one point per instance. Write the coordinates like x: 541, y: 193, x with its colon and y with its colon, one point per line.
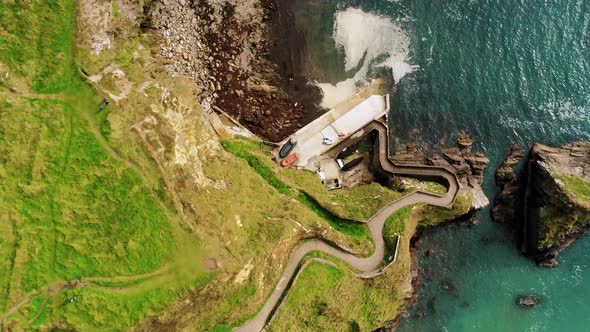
x: 464, y: 140
x: 528, y: 301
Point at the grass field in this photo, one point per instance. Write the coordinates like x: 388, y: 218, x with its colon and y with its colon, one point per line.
x: 577, y: 189
x: 79, y: 199
x: 328, y: 296
x: 331, y: 296
x: 357, y: 203
x: 70, y: 207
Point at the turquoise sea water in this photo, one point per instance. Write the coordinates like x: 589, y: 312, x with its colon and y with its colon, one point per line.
x: 507, y: 72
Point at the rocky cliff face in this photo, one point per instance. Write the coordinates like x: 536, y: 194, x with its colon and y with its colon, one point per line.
x: 508, y: 202
x: 557, y: 199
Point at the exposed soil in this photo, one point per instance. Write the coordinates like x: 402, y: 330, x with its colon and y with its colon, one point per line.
x: 227, y: 50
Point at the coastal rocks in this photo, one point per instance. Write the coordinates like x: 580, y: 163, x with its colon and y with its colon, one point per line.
x: 549, y: 260
x: 464, y: 140
x: 528, y: 301
x: 508, y: 201
x: 557, y: 199
x: 469, y: 167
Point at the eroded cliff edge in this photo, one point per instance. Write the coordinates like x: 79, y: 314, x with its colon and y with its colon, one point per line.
x: 557, y: 199
x: 555, y: 196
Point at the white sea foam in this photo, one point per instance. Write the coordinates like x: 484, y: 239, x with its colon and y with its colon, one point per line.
x: 333, y: 94
x: 360, y: 33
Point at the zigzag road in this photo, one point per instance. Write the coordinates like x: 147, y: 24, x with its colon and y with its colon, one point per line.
x: 366, y: 265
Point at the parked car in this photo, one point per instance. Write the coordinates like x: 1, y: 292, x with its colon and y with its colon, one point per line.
x: 292, y: 158
x: 287, y: 148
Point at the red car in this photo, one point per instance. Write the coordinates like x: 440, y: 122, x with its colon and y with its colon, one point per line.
x: 289, y: 160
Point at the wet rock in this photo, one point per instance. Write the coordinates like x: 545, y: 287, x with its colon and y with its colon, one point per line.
x: 469, y: 166
x: 453, y: 156
x: 508, y: 201
x: 528, y: 301
x: 429, y: 252
x: 448, y: 286
x: 551, y: 262
x: 205, y: 41
x: 464, y: 140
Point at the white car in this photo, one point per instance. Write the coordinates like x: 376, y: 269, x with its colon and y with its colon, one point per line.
x: 327, y: 141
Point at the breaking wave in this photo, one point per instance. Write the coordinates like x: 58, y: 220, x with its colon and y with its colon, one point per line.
x: 369, y: 41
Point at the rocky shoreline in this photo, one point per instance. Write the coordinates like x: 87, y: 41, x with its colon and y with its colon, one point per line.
x: 224, y: 47
x: 470, y: 166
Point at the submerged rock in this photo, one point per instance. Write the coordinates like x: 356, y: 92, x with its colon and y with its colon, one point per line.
x: 448, y: 286
x: 431, y: 305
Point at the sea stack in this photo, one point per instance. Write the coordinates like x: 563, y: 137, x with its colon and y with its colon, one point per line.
x: 548, y: 203
x: 557, y: 199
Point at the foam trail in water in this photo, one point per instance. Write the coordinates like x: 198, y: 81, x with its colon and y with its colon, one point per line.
x: 359, y: 32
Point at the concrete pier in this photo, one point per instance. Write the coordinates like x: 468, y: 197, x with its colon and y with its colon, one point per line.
x: 339, y: 124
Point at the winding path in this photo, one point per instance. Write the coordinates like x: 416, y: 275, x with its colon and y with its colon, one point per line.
x: 365, y: 265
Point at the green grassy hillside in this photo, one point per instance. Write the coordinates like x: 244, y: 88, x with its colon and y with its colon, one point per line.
x: 159, y: 236
x: 71, y: 207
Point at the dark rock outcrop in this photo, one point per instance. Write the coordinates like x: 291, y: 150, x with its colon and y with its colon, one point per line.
x: 464, y: 140
x: 508, y: 201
